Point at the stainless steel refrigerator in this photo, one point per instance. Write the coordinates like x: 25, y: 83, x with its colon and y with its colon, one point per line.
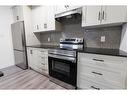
x: 19, y: 44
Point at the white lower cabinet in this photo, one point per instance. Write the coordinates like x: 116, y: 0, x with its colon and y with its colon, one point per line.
x: 88, y: 84
x: 38, y: 59
x: 101, y: 72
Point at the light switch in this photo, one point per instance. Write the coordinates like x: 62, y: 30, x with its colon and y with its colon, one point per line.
x: 102, y: 38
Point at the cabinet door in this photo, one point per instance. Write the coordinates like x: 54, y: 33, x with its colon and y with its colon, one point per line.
x: 91, y: 16
x: 17, y: 13
x: 51, y: 24
x: 114, y: 14
x: 60, y: 9
x: 43, y: 19
x: 38, y: 18
x: 38, y: 59
x: 71, y: 7
x: 31, y: 58
x: 35, y: 19
x: 63, y: 8
x: 50, y: 19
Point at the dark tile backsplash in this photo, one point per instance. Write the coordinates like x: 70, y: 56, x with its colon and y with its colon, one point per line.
x: 91, y: 37
x: 112, y: 37
x: 54, y: 38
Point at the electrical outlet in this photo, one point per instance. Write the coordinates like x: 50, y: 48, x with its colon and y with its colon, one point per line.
x: 48, y: 39
x: 102, y: 38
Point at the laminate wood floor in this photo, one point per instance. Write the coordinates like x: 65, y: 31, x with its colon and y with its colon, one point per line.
x: 16, y: 78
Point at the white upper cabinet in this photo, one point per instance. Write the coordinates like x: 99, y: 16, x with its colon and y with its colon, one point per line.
x: 43, y: 19
x: 60, y: 9
x: 71, y: 7
x: 38, y: 18
x: 17, y: 13
x: 114, y: 14
x: 50, y: 18
x: 91, y: 15
x: 103, y: 15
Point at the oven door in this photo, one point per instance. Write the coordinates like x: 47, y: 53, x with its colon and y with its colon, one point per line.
x: 62, y: 69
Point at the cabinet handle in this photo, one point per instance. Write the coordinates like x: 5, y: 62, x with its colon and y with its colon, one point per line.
x: 17, y: 17
x: 99, y: 15
x: 43, y: 57
x: 31, y: 52
x: 97, y: 73
x: 43, y: 63
x: 95, y: 88
x: 66, y: 6
x: 45, y: 25
x: 103, y: 15
x: 98, y: 60
x: 37, y: 27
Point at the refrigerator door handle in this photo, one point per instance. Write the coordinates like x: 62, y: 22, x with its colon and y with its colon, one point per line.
x: 23, y: 38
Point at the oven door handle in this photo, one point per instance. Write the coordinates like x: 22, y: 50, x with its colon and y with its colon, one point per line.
x: 73, y: 60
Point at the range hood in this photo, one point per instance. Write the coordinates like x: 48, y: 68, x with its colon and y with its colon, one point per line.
x: 69, y: 14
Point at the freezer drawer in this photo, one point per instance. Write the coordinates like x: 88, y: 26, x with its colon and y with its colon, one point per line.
x: 20, y: 59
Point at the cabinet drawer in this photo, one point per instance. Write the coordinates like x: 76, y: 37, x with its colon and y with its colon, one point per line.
x: 116, y: 78
x: 103, y: 61
x: 43, y: 53
x: 43, y: 59
x: 43, y: 69
x: 40, y: 70
x: 43, y: 66
x: 85, y: 84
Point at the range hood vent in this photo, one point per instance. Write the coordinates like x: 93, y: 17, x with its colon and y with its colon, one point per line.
x: 69, y: 15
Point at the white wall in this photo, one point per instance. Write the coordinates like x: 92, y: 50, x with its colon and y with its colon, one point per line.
x: 6, y: 50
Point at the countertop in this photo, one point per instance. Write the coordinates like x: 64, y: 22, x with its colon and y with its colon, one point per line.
x: 45, y: 46
x: 103, y: 51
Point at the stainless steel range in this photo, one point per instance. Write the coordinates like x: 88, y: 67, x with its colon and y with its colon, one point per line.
x: 63, y: 62
x: 72, y: 43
